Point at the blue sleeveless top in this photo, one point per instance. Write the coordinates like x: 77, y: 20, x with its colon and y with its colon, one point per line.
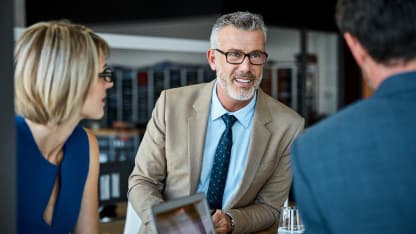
x: 36, y: 178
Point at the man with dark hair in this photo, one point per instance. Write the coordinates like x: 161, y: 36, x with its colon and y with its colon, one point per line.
x: 354, y: 172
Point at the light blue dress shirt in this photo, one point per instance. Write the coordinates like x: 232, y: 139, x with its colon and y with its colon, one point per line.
x: 241, y: 139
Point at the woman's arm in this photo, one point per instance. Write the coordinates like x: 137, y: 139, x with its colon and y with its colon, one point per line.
x: 88, y: 220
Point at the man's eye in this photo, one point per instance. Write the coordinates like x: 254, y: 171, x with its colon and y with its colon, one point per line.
x: 235, y: 54
x: 255, y: 55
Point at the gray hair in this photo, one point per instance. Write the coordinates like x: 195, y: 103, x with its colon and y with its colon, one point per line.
x: 241, y: 20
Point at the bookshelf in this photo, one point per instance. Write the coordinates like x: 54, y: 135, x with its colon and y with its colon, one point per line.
x: 118, y: 148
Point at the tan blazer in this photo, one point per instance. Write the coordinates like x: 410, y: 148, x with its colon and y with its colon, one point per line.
x: 169, y: 160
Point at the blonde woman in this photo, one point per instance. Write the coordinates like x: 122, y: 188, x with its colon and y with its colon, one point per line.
x: 60, y: 79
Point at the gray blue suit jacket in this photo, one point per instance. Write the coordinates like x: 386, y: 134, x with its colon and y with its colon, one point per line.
x: 355, y: 171
x: 169, y: 160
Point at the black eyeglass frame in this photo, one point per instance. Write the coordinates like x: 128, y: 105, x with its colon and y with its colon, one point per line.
x: 107, y: 75
x: 244, y: 57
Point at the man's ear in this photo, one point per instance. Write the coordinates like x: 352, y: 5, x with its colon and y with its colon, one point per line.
x: 211, y: 59
x: 358, y: 51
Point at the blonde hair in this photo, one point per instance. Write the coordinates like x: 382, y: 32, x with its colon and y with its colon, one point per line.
x: 55, y: 65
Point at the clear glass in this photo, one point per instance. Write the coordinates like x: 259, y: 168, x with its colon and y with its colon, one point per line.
x: 290, y: 221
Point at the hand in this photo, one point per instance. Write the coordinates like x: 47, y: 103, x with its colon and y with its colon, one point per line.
x: 221, y: 222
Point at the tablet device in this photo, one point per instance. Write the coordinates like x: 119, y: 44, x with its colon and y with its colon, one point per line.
x: 185, y: 215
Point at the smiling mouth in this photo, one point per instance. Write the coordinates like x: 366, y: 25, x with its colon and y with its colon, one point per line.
x: 245, y: 81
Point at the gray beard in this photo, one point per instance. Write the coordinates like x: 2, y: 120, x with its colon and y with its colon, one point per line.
x: 241, y: 95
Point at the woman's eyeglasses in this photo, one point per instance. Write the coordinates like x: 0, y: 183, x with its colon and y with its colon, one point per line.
x: 107, y: 75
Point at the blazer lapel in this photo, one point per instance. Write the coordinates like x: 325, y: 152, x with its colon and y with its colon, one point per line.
x: 197, y: 126
x: 259, y: 140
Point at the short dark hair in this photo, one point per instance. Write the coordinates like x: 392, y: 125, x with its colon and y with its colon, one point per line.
x: 386, y: 28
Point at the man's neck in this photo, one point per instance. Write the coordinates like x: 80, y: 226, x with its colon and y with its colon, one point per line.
x: 379, y: 72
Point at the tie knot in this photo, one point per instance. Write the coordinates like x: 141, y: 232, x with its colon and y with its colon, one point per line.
x: 228, y: 120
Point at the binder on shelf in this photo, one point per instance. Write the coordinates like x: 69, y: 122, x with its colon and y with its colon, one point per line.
x: 200, y: 71
x: 109, y: 186
x: 119, y: 96
x: 127, y: 100
x: 191, y: 76
x: 115, y: 185
x: 104, y: 187
x: 141, y: 96
x: 112, y: 100
x: 158, y: 83
x: 150, y: 93
x: 175, y: 77
x: 184, y: 73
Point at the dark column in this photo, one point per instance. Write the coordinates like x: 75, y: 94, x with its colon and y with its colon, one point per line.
x: 7, y: 124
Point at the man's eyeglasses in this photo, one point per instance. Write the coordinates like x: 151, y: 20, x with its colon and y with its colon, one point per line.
x: 107, y: 75
x: 237, y: 57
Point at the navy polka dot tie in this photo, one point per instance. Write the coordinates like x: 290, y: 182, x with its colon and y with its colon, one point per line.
x: 220, y: 166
